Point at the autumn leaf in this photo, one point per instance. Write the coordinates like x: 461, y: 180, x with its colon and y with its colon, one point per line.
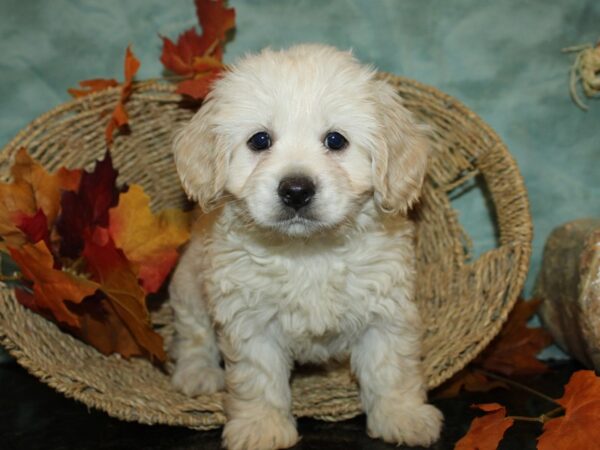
x: 119, y: 116
x: 150, y: 241
x: 87, y: 208
x: 35, y: 228
x: 14, y: 198
x: 51, y: 287
x: 470, y: 380
x: 92, y: 290
x: 179, y: 58
x: 127, y: 328
x: 214, y: 18
x: 515, y: 349
x: 513, y: 353
x: 32, y: 189
x: 199, y: 57
x: 91, y: 86
x: 486, y: 432
x: 579, y: 428
x: 198, y: 87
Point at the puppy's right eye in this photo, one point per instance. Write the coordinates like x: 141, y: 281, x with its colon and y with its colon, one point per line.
x: 260, y: 141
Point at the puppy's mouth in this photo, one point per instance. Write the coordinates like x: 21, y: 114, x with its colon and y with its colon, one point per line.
x: 298, y: 223
x: 303, y: 214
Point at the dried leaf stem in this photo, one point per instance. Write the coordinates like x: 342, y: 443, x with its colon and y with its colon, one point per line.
x: 517, y: 385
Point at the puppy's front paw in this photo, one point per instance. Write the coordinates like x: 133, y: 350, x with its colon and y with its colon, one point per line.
x: 193, y: 380
x: 402, y: 423
x: 269, y: 431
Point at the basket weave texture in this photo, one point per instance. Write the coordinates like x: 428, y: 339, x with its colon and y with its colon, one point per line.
x: 464, y: 302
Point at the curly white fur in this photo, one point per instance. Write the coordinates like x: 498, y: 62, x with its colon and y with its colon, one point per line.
x: 264, y: 290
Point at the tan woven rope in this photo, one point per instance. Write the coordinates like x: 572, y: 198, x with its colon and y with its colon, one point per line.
x: 464, y: 302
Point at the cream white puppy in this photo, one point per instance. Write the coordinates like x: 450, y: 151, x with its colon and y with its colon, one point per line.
x: 309, y: 165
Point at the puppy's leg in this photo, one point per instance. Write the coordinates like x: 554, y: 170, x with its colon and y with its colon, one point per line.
x: 197, y: 358
x: 386, y: 361
x: 258, y: 403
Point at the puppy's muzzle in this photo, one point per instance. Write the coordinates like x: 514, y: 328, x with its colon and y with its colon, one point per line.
x: 296, y: 192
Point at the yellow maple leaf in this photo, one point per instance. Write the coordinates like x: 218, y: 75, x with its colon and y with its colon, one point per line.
x: 148, y: 240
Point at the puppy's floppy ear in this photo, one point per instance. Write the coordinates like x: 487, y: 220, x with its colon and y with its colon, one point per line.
x: 400, y: 161
x: 201, y: 157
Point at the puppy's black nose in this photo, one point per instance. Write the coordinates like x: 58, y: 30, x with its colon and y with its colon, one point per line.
x: 296, y: 192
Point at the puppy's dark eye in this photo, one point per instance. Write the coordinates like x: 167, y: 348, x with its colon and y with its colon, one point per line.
x: 335, y: 141
x: 260, y: 141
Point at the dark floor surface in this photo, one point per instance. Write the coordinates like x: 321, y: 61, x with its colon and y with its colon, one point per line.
x: 33, y: 416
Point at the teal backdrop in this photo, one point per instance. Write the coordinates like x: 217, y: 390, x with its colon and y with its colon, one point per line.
x: 501, y: 58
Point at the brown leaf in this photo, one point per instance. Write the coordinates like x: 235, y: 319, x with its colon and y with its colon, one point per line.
x: 486, y: 432
x: 470, y: 380
x: 579, y: 428
x: 126, y: 303
x: 515, y: 349
x: 51, y: 287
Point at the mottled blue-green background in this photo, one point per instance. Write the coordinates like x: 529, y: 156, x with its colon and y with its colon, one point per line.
x: 501, y: 58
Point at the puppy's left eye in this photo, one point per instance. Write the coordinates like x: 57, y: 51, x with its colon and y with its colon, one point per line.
x: 335, y: 141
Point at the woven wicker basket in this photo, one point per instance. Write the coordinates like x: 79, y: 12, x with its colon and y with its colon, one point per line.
x: 464, y: 302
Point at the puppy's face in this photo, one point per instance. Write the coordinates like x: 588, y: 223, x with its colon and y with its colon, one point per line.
x: 298, y: 139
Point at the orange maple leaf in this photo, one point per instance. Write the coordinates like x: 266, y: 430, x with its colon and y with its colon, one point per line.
x: 179, y: 58
x: 486, y: 432
x: 127, y: 329
x: 199, y: 86
x: 32, y: 189
x: 578, y: 429
x: 51, y: 287
x: 515, y: 349
x: 148, y: 240
x: 119, y: 115
x: 199, y: 57
x: 91, y: 86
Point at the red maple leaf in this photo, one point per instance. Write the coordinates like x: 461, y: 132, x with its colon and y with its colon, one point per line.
x: 214, y: 18
x: 35, y: 227
x: 86, y: 208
